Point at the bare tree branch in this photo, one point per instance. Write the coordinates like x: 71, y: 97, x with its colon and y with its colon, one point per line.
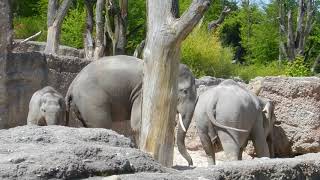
x: 88, y: 38
x: 62, y: 11
x: 190, y: 18
x: 300, y: 17
x: 139, y: 50
x: 26, y: 40
x: 99, y: 49
x: 55, y: 17
x: 214, y: 24
x: 290, y: 37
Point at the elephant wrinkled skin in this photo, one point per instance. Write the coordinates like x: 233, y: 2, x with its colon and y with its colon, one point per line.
x: 109, y: 90
x: 233, y: 106
x: 46, y: 107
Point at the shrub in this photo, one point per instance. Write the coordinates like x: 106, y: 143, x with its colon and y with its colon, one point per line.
x: 27, y: 26
x: 73, y: 27
x: 251, y: 71
x: 203, y: 53
x: 298, y: 67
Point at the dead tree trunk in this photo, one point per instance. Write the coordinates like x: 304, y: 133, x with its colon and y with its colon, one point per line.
x: 56, y: 14
x: 295, y: 38
x: 88, y: 37
x: 161, y: 59
x: 6, y: 34
x: 214, y: 24
x: 99, y: 49
x: 116, y: 25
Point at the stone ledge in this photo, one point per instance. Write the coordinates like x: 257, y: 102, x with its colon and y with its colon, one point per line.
x: 301, y: 167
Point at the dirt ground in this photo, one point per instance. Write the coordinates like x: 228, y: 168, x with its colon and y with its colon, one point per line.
x: 200, y: 159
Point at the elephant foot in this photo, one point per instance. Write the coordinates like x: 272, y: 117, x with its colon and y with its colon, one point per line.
x: 210, y: 161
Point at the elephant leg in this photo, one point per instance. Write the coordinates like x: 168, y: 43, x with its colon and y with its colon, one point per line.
x: 96, y: 115
x: 259, y: 141
x: 230, y: 145
x: 208, y: 148
x: 135, y: 119
x: 240, y: 154
x: 270, y: 144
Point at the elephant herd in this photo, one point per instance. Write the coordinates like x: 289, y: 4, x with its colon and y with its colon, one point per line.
x: 109, y: 90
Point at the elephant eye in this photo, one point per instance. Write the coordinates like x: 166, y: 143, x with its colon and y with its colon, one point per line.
x: 184, y: 91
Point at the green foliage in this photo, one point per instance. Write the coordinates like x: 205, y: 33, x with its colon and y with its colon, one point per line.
x: 248, y: 72
x: 203, y: 53
x: 73, y: 27
x: 25, y: 8
x: 27, y: 26
x: 136, y: 24
x: 298, y: 68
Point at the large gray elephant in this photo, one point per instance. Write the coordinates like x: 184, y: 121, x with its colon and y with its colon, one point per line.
x: 236, y: 107
x: 109, y: 89
x: 46, y: 107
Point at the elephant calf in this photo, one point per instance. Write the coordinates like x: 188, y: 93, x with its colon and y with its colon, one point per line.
x: 46, y: 107
x: 243, y: 115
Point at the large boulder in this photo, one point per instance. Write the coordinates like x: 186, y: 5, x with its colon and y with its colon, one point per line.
x: 34, y: 152
x: 299, y: 168
x: 297, y: 110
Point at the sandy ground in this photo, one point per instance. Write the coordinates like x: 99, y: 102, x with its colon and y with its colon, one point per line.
x: 199, y: 158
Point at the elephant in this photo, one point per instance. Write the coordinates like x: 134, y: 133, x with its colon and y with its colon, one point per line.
x: 46, y: 107
x: 248, y: 116
x: 109, y: 89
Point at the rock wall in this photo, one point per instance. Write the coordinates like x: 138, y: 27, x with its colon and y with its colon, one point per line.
x: 62, y: 70
x: 297, y: 109
x: 32, y: 46
x: 25, y: 73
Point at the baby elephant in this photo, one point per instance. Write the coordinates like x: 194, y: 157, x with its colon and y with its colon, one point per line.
x: 46, y: 107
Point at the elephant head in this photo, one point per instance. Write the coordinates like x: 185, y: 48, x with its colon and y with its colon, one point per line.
x: 51, y: 109
x: 268, y: 114
x: 187, y: 96
x: 269, y: 119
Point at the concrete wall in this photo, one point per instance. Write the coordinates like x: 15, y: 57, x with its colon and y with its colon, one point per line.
x: 25, y: 73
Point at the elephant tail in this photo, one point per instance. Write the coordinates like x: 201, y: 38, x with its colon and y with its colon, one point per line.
x: 211, y: 112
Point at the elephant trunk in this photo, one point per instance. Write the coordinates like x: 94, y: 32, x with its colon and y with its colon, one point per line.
x: 181, y: 134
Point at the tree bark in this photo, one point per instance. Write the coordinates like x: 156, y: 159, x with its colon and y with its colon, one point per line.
x: 55, y: 17
x: 139, y: 50
x: 296, y: 38
x: 291, y: 42
x: 161, y: 59
x: 99, y: 49
x: 122, y: 27
x: 6, y: 35
x: 116, y: 25
x: 214, y: 24
x: 88, y: 37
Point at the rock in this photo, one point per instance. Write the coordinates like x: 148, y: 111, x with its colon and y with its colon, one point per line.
x: 297, y: 109
x: 34, y: 152
x: 301, y: 167
x: 31, y: 46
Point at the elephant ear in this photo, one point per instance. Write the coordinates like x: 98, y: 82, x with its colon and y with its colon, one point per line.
x: 267, y: 113
x: 42, y: 100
